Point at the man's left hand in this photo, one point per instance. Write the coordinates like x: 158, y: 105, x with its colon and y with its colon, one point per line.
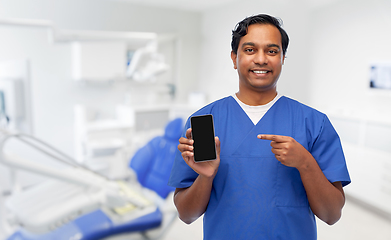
x: 287, y: 150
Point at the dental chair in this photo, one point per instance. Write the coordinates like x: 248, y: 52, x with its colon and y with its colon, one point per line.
x: 96, y: 207
x: 154, y: 161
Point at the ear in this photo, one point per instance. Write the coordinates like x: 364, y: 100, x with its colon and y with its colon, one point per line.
x: 234, y: 57
x: 283, y: 59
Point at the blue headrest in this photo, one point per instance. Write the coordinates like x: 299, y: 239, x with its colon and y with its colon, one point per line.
x: 174, y: 129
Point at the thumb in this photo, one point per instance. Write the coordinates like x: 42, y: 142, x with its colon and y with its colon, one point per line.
x: 217, y: 140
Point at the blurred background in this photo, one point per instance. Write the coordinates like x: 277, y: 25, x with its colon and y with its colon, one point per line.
x: 98, y: 79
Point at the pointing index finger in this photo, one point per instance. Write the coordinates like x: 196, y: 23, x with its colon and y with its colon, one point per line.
x: 276, y: 138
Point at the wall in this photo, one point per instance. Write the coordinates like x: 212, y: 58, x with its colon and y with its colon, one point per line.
x: 345, y: 38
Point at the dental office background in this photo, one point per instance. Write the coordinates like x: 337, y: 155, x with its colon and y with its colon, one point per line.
x: 338, y: 61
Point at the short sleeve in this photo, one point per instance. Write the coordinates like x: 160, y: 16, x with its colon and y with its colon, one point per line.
x: 327, y: 151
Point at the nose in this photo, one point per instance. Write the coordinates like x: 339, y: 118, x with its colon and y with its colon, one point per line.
x: 260, y: 58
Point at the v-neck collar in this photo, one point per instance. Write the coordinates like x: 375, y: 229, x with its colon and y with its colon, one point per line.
x: 246, y: 132
x: 246, y: 115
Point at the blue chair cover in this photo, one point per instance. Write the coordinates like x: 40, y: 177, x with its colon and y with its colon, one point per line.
x: 153, y: 162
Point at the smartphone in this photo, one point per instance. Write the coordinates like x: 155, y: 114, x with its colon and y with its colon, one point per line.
x: 203, y: 134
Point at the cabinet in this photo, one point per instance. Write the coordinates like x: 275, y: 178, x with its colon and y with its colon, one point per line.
x: 104, y: 55
x: 116, y: 60
x: 99, y: 61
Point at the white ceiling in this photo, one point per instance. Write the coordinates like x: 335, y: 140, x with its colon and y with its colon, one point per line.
x: 191, y: 5
x: 200, y: 5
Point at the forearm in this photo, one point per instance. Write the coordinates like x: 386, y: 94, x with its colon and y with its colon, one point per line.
x: 326, y: 199
x: 192, y: 202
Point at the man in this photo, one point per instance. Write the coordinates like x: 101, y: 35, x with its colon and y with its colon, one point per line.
x: 278, y: 162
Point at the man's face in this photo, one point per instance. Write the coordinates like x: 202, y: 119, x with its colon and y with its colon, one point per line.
x: 259, y: 58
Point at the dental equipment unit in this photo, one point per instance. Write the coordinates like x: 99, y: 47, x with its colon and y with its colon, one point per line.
x: 77, y: 203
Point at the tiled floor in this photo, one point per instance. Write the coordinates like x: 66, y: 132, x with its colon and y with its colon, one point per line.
x: 357, y: 223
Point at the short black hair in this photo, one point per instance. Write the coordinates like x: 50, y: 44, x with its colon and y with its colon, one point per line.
x: 241, y: 30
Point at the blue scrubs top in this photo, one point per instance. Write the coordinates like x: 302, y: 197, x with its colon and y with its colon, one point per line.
x: 254, y: 196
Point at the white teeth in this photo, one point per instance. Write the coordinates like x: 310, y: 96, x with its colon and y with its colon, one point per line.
x: 260, y: 71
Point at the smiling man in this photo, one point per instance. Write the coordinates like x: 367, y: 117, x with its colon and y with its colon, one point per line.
x: 258, y: 59
x: 279, y: 162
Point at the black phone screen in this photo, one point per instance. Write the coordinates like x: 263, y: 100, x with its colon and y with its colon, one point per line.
x: 204, y: 137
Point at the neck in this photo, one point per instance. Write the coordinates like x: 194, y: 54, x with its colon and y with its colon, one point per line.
x: 256, y: 98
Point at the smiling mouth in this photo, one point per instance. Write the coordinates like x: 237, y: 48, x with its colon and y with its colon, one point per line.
x: 259, y: 72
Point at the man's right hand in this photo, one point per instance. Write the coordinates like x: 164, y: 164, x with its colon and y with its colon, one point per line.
x: 206, y: 169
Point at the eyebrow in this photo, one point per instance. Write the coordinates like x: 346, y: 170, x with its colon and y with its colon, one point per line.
x: 274, y: 45
x: 248, y: 44
x: 269, y: 45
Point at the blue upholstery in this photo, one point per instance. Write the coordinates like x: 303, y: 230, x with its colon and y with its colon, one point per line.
x: 93, y: 226
x: 153, y: 162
